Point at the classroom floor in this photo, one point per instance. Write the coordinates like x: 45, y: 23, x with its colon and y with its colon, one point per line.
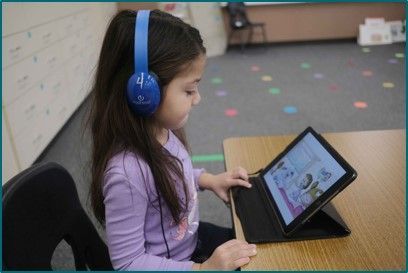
x: 276, y: 89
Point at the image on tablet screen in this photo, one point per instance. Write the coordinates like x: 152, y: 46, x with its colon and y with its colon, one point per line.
x: 301, y: 176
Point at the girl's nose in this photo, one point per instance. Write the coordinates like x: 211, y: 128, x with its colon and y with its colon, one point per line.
x: 197, y: 98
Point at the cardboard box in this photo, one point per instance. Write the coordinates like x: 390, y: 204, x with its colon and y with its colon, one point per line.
x: 374, y: 32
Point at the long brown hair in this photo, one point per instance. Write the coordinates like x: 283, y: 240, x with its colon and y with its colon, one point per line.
x: 172, y: 46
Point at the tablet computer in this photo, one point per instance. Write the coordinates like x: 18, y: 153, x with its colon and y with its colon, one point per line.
x: 298, y: 183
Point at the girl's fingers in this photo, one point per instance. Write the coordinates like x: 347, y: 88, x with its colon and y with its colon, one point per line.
x: 225, y: 197
x: 244, y: 251
x: 235, y: 246
x: 241, y: 262
x: 236, y: 253
x: 232, y: 243
x: 243, y: 173
x: 243, y: 183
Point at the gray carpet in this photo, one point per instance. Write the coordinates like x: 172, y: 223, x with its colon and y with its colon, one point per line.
x: 323, y: 94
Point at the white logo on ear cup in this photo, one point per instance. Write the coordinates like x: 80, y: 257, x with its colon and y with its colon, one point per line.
x: 140, y: 100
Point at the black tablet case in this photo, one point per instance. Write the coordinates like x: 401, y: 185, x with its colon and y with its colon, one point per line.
x: 260, y: 224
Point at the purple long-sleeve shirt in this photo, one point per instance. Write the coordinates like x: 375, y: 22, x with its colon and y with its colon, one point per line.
x: 133, y: 227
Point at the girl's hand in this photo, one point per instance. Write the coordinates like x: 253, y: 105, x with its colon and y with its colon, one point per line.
x: 223, y: 181
x: 230, y: 256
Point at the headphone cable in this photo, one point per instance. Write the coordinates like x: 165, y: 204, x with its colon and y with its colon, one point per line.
x: 161, y: 223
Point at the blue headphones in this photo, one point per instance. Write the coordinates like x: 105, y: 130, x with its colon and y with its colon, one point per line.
x: 143, y: 91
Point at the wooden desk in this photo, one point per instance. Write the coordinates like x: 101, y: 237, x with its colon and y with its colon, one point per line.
x: 373, y: 206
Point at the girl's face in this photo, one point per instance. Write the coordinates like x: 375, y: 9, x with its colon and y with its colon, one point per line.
x: 180, y: 95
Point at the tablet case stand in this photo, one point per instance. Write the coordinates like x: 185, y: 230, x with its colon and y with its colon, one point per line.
x: 260, y: 224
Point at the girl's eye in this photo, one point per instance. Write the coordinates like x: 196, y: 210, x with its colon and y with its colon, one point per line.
x: 189, y: 92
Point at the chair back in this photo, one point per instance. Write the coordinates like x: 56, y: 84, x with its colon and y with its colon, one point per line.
x: 40, y: 209
x: 237, y: 15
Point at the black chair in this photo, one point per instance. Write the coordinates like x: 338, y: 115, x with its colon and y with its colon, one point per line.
x: 40, y: 209
x: 239, y: 22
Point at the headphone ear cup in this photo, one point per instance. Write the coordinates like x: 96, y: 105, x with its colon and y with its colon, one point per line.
x: 143, y: 93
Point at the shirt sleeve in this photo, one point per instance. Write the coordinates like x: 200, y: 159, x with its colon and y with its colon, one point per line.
x: 125, y: 212
x: 197, y: 173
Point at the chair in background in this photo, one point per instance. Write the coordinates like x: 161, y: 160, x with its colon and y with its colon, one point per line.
x: 239, y: 22
x: 40, y: 209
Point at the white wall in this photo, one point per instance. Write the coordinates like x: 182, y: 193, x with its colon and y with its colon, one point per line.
x: 49, y: 51
x: 207, y: 18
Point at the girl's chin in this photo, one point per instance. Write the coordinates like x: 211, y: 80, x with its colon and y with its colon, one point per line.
x: 183, y: 122
x: 180, y: 124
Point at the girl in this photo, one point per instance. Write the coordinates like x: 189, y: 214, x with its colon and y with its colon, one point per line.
x: 144, y: 188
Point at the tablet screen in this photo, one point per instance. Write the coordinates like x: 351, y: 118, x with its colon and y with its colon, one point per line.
x: 301, y: 176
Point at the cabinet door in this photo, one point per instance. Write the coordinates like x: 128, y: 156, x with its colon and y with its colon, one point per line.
x: 15, y: 48
x: 9, y: 163
x: 19, y: 78
x: 24, y: 111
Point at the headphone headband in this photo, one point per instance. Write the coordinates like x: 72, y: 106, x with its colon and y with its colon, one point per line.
x: 143, y: 91
x: 141, y: 35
